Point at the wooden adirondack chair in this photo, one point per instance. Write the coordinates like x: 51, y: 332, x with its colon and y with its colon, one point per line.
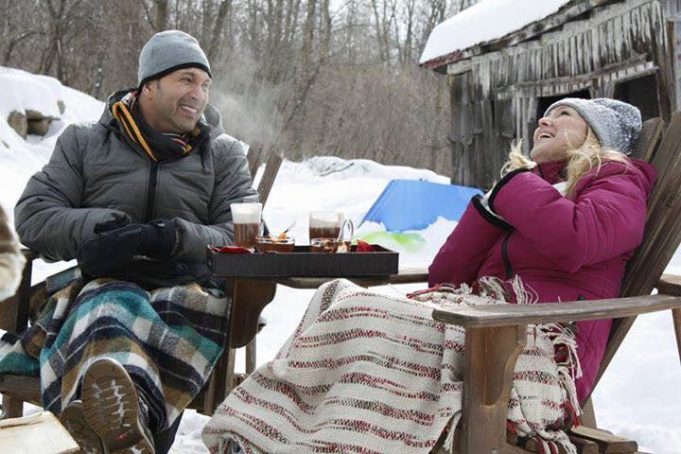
x: 495, y: 335
x: 17, y: 389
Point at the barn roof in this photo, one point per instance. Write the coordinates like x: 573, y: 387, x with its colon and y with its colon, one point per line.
x: 494, y: 24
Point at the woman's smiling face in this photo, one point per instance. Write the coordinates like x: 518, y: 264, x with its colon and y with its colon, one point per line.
x: 561, y: 130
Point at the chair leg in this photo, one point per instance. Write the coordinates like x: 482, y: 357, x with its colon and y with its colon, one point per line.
x: 676, y: 315
x: 12, y: 407
x: 231, y: 360
x: 219, y: 383
x: 250, y: 357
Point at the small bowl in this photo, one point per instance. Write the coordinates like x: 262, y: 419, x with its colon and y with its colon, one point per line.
x: 329, y: 245
x: 270, y: 244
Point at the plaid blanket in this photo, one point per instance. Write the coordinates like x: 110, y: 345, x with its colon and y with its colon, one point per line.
x: 168, y: 340
x: 369, y: 373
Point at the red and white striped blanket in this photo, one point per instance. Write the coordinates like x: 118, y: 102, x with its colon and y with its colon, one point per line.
x: 369, y: 373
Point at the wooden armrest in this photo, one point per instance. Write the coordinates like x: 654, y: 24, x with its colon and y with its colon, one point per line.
x: 409, y: 276
x: 406, y: 276
x: 669, y: 284
x: 521, y: 314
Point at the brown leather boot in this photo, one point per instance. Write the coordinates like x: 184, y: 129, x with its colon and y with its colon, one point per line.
x: 73, y: 418
x: 111, y: 408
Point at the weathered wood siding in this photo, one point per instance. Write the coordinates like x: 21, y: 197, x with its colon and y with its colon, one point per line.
x: 495, y: 96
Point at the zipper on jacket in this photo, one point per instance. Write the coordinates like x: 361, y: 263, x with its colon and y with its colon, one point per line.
x: 504, y: 255
x: 151, y: 194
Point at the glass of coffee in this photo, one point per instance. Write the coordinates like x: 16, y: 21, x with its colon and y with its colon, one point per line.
x: 328, y: 232
x: 325, y: 224
x: 247, y: 221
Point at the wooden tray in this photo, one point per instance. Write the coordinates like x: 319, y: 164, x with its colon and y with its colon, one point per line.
x: 303, y: 263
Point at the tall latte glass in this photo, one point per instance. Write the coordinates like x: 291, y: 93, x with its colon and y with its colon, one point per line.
x: 246, y: 218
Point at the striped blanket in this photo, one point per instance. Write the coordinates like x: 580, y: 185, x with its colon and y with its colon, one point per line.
x: 369, y: 373
x: 167, y: 339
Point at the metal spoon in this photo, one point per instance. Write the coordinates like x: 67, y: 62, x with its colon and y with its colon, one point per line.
x: 283, y: 234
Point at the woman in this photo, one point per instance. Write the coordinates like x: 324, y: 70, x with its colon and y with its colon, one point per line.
x: 567, y: 223
x: 369, y: 373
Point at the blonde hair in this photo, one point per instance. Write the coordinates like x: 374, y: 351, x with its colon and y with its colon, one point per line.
x: 581, y: 160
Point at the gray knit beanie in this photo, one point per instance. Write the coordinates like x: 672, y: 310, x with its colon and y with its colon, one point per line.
x: 169, y: 51
x: 617, y: 124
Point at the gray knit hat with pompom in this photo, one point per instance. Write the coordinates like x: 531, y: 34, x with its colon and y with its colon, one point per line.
x: 169, y: 51
x: 617, y: 124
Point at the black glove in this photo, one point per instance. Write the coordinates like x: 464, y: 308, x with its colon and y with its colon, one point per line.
x: 159, y: 239
x: 110, y: 250
x: 115, y: 245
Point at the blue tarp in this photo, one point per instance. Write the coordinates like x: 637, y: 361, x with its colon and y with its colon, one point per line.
x: 414, y: 205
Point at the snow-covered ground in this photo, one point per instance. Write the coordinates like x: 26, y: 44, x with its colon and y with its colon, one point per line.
x: 639, y: 396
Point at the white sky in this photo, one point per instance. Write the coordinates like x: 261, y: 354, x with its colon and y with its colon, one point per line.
x: 639, y: 396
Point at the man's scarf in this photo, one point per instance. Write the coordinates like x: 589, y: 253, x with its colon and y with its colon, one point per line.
x: 158, y: 146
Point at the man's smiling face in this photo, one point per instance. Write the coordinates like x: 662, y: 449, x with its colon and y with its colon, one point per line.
x: 175, y: 102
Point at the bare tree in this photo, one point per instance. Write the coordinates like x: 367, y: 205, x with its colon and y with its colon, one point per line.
x: 216, y: 36
x: 62, y: 15
x: 162, y: 15
x: 384, y: 13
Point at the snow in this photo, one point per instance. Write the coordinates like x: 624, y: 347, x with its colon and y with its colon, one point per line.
x: 35, y: 93
x: 638, y: 397
x: 485, y: 21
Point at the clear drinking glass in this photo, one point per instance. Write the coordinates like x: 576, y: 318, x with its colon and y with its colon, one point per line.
x: 328, y: 232
x: 325, y: 224
x: 247, y: 223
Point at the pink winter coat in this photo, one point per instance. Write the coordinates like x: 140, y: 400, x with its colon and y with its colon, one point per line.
x: 562, y: 249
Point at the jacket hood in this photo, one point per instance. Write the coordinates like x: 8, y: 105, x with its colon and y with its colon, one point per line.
x: 648, y: 173
x: 552, y: 172
x: 643, y: 172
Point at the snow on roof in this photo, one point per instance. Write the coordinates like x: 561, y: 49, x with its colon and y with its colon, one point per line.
x: 485, y: 21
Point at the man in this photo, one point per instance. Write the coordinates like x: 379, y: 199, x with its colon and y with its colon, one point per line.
x: 136, y: 198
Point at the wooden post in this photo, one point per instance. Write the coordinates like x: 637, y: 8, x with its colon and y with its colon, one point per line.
x: 249, y: 298
x: 490, y: 358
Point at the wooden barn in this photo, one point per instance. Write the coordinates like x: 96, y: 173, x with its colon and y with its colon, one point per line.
x: 507, y: 60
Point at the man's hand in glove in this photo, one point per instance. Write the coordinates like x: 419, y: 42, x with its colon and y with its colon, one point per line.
x: 114, y: 245
x: 159, y: 240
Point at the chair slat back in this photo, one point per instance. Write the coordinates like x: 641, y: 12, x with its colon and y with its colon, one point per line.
x: 254, y: 157
x: 663, y: 226
x: 646, y: 145
x: 267, y: 181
